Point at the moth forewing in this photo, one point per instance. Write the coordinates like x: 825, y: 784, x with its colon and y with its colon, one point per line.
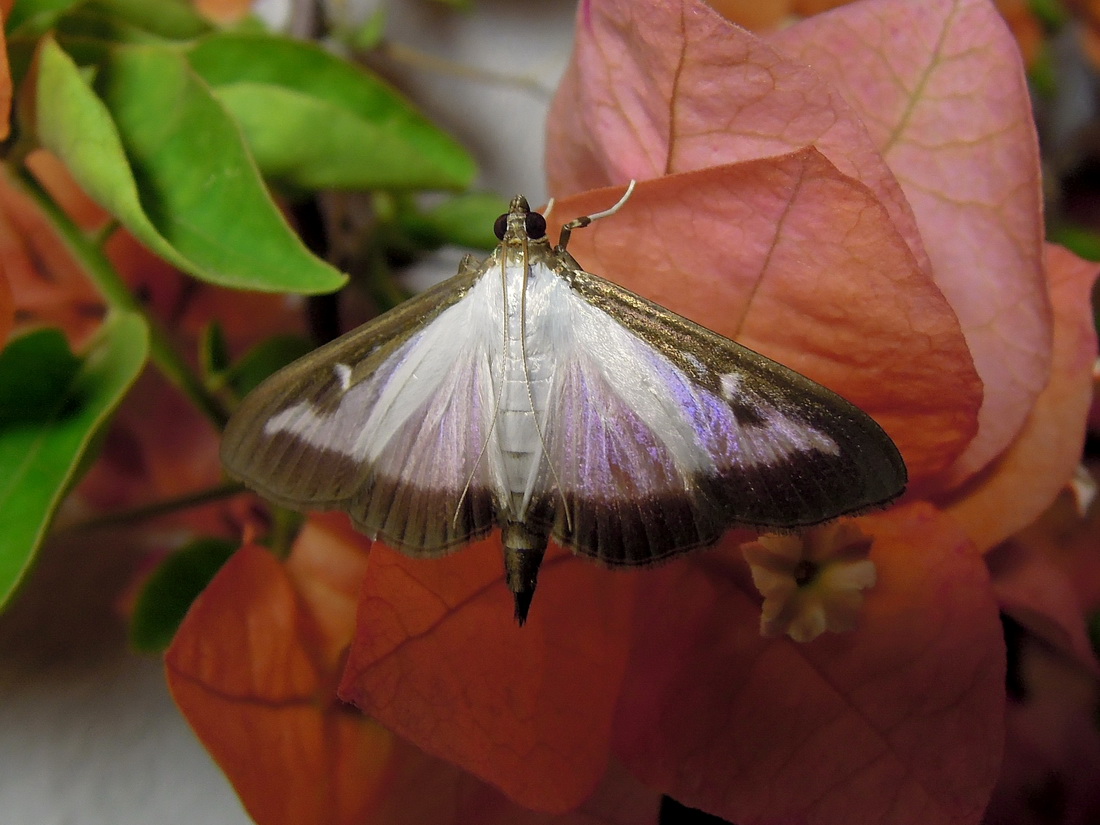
x: 832, y: 459
x: 528, y: 394
x: 297, y: 438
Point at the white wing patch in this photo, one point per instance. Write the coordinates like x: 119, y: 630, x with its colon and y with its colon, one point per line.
x: 440, y: 361
x: 334, y: 429
x: 731, y: 386
x: 343, y: 375
x: 627, y: 421
x: 424, y: 415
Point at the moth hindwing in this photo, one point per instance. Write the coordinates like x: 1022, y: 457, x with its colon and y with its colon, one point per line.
x: 528, y: 394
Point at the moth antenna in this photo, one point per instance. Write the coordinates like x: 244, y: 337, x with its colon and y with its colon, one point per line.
x: 496, y: 400
x: 531, y: 397
x: 584, y: 220
x: 477, y: 461
x: 607, y: 213
x: 549, y: 208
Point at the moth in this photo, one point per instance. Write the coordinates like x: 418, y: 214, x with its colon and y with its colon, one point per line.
x: 529, y: 394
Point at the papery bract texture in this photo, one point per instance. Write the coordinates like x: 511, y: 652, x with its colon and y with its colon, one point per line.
x: 874, y: 223
x: 659, y: 88
x: 1038, y: 594
x: 906, y: 708
x: 943, y: 95
x: 254, y: 667
x: 900, y: 721
x: 1041, y: 459
x: 438, y: 658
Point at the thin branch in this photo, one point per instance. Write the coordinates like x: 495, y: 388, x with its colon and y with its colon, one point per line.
x: 401, y: 53
x: 160, y: 508
x: 89, y: 254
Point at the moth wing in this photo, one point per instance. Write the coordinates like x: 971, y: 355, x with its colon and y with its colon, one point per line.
x: 663, y: 434
x: 385, y: 423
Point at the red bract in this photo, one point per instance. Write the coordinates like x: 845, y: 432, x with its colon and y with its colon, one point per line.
x: 224, y: 11
x: 1044, y: 452
x: 899, y: 721
x: 873, y: 222
x: 47, y: 284
x: 254, y: 668
x: 256, y: 653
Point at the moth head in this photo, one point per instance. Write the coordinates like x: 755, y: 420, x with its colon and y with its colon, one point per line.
x: 519, y: 223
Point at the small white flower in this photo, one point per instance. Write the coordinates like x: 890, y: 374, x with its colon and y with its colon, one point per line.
x: 1083, y: 487
x: 811, y: 582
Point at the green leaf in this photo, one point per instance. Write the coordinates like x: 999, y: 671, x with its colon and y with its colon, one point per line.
x: 264, y: 359
x: 33, y: 368
x: 1051, y: 13
x: 315, y: 121
x: 110, y: 19
x: 464, y: 220
x: 82, y: 25
x: 170, y: 590
x: 32, y: 17
x: 160, y: 154
x: 1078, y: 239
x: 213, y: 350
x: 90, y: 30
x: 367, y: 34
x: 170, y: 19
x: 52, y: 405
x: 95, y: 24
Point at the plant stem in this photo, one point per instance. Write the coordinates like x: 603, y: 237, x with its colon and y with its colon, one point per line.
x: 410, y: 56
x: 159, y: 508
x: 118, y: 296
x: 284, y: 528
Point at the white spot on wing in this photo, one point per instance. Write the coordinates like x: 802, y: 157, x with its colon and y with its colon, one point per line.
x: 779, y: 438
x: 343, y: 375
x: 697, y: 365
x: 731, y: 385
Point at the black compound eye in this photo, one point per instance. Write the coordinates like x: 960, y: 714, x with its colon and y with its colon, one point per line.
x: 500, y: 227
x: 535, y: 225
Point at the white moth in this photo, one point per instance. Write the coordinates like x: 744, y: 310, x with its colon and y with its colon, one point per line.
x: 528, y: 394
